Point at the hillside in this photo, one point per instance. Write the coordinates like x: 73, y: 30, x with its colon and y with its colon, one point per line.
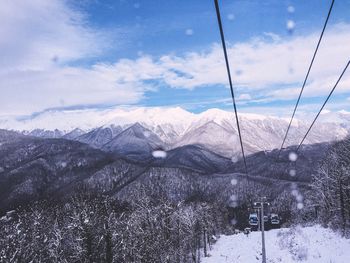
x: 269, y: 164
x: 34, y: 168
x: 300, y: 244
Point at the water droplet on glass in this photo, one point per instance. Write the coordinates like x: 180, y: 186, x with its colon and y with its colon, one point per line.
x: 147, y: 134
x: 233, y: 198
x: 291, y: 70
x: 291, y: 9
x: 189, y: 32
x: 233, y: 201
x: 293, y: 156
x: 234, y: 181
x: 295, y: 192
x: 300, y: 205
x: 233, y: 221
x: 234, y: 159
x: 293, y: 186
x: 290, y: 26
x: 238, y: 72
x: 299, y: 198
x: 292, y: 172
x: 159, y: 154
x: 233, y: 204
x: 231, y: 17
x: 54, y: 59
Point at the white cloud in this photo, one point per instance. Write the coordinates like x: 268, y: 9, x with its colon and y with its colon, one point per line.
x: 263, y: 64
x: 273, y: 36
x: 244, y: 97
x: 275, y: 68
x: 37, y: 90
x: 39, y: 39
x: 38, y: 34
x: 325, y: 111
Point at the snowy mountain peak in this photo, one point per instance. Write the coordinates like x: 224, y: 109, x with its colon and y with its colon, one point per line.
x: 137, y: 130
x: 214, y: 128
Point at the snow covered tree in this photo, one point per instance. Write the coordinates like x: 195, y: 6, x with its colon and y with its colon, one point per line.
x: 331, y: 187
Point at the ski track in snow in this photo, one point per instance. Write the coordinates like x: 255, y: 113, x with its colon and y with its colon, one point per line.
x: 309, y: 244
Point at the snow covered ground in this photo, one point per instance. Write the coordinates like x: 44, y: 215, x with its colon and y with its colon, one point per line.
x: 298, y: 244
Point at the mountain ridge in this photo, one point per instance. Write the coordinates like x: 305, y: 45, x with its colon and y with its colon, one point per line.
x: 214, y: 129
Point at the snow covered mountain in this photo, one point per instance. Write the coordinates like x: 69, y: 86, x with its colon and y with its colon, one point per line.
x: 195, y: 158
x: 136, y: 142
x: 46, y: 133
x: 214, y: 136
x: 72, y: 135
x: 99, y: 136
x: 214, y: 129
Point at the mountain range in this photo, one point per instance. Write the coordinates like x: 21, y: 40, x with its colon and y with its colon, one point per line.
x: 170, y: 128
x: 186, y: 152
x: 33, y: 168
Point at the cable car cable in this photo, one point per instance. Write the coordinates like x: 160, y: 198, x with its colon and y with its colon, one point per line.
x: 319, y: 112
x: 306, y: 77
x: 230, y: 80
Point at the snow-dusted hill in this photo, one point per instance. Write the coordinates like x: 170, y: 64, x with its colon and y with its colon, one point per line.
x: 135, y: 142
x: 212, y: 135
x: 99, y: 136
x: 89, y: 119
x: 310, y: 245
x: 214, y: 129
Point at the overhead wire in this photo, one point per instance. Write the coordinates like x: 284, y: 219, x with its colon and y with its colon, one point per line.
x: 306, y: 77
x: 217, y: 8
x: 317, y: 115
x: 323, y: 105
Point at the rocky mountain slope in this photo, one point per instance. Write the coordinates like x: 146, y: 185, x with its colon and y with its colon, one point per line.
x: 213, y: 129
x: 136, y: 142
x: 99, y: 136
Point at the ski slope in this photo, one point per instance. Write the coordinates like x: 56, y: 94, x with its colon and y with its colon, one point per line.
x: 310, y: 244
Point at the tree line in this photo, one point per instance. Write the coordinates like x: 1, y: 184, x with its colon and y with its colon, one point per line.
x: 97, y: 228
x: 331, y: 187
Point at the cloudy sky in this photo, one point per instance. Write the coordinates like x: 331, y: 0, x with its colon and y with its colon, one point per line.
x: 76, y: 54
